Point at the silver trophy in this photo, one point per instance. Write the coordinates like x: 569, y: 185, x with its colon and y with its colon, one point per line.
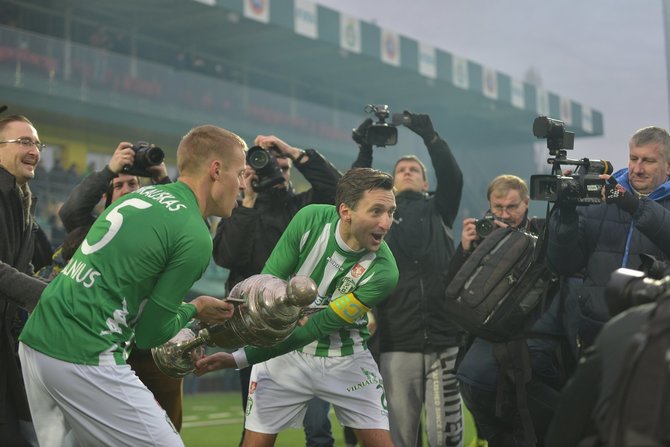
x: 267, y: 311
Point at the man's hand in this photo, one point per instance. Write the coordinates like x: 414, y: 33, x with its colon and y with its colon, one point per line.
x: 123, y: 156
x: 249, y: 196
x: 420, y: 124
x: 270, y: 141
x: 158, y: 172
x: 212, y: 310
x: 358, y: 134
x: 613, y: 192
x: 214, y: 362
x: 469, y: 233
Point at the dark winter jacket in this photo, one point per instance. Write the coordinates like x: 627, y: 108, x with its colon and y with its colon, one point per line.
x: 582, y: 408
x: 77, y: 211
x: 413, y: 317
x: 601, y: 238
x: 18, y: 290
x: 244, y: 241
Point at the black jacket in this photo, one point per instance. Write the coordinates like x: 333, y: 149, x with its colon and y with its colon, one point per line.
x: 582, y: 408
x: 77, y: 211
x: 601, y: 238
x: 413, y: 317
x: 18, y: 289
x: 244, y: 241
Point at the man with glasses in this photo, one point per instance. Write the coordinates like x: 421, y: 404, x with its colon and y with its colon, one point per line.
x: 244, y: 241
x: 479, y: 372
x: 19, y: 154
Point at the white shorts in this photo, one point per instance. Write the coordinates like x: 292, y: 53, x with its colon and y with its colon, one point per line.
x: 100, y: 405
x: 281, y: 388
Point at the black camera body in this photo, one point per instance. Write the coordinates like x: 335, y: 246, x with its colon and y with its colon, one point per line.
x: 583, y: 186
x: 267, y: 169
x: 146, y: 155
x: 485, y: 226
x: 380, y: 133
x: 628, y: 288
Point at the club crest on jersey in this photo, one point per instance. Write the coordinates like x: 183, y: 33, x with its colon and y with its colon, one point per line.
x: 252, y: 387
x: 346, y: 285
x: 357, y: 270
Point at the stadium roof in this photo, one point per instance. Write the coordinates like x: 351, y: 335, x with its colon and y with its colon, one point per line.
x: 314, y: 53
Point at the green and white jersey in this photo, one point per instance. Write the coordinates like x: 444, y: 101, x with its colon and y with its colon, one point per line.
x: 312, y: 246
x: 126, y: 280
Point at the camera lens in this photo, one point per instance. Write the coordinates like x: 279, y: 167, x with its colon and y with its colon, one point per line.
x: 258, y: 158
x: 155, y: 155
x: 484, y: 227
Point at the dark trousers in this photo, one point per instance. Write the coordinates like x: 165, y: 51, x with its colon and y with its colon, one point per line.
x: 506, y: 430
x: 166, y: 390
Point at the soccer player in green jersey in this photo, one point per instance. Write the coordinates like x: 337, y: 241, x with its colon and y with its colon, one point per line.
x: 125, y: 283
x: 342, y: 249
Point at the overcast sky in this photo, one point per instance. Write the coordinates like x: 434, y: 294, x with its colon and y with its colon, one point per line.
x: 606, y: 54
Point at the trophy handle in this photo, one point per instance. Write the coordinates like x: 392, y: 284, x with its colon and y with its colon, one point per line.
x: 174, y: 357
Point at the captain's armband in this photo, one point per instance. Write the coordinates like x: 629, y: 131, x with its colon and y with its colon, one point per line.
x: 348, y: 308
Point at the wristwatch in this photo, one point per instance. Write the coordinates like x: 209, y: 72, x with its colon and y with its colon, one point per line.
x: 299, y: 158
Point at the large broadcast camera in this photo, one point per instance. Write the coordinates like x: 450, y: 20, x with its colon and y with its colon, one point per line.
x: 628, y: 288
x: 146, y: 156
x: 264, y: 162
x: 583, y: 186
x: 382, y: 133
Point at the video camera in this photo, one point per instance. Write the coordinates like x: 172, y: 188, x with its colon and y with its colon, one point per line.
x: 381, y: 133
x: 267, y: 169
x: 583, y: 186
x: 146, y: 155
x: 628, y: 288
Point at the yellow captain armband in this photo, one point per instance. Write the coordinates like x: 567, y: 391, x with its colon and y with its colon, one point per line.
x: 348, y: 307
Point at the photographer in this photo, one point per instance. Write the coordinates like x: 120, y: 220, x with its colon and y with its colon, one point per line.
x: 244, y: 241
x: 482, y: 382
x: 634, y: 218
x: 110, y: 184
x: 418, y: 343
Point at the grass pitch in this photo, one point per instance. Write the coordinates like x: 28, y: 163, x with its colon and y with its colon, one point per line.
x: 216, y: 420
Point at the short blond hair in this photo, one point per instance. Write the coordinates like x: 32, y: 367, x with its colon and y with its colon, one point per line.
x: 203, y: 143
x: 502, y: 184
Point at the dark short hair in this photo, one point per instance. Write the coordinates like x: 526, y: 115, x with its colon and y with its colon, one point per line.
x: 413, y: 158
x: 357, y: 181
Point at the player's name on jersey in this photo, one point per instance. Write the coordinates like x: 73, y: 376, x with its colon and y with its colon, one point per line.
x: 81, y: 273
x: 164, y: 198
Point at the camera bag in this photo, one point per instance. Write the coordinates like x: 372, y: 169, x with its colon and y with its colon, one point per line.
x: 496, y: 292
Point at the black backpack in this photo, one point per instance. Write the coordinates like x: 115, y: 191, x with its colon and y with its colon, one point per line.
x: 497, y: 291
x: 639, y: 410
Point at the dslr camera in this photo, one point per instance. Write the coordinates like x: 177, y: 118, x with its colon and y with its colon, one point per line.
x: 583, y: 186
x: 267, y: 169
x: 380, y: 133
x: 146, y: 155
x: 485, y: 225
